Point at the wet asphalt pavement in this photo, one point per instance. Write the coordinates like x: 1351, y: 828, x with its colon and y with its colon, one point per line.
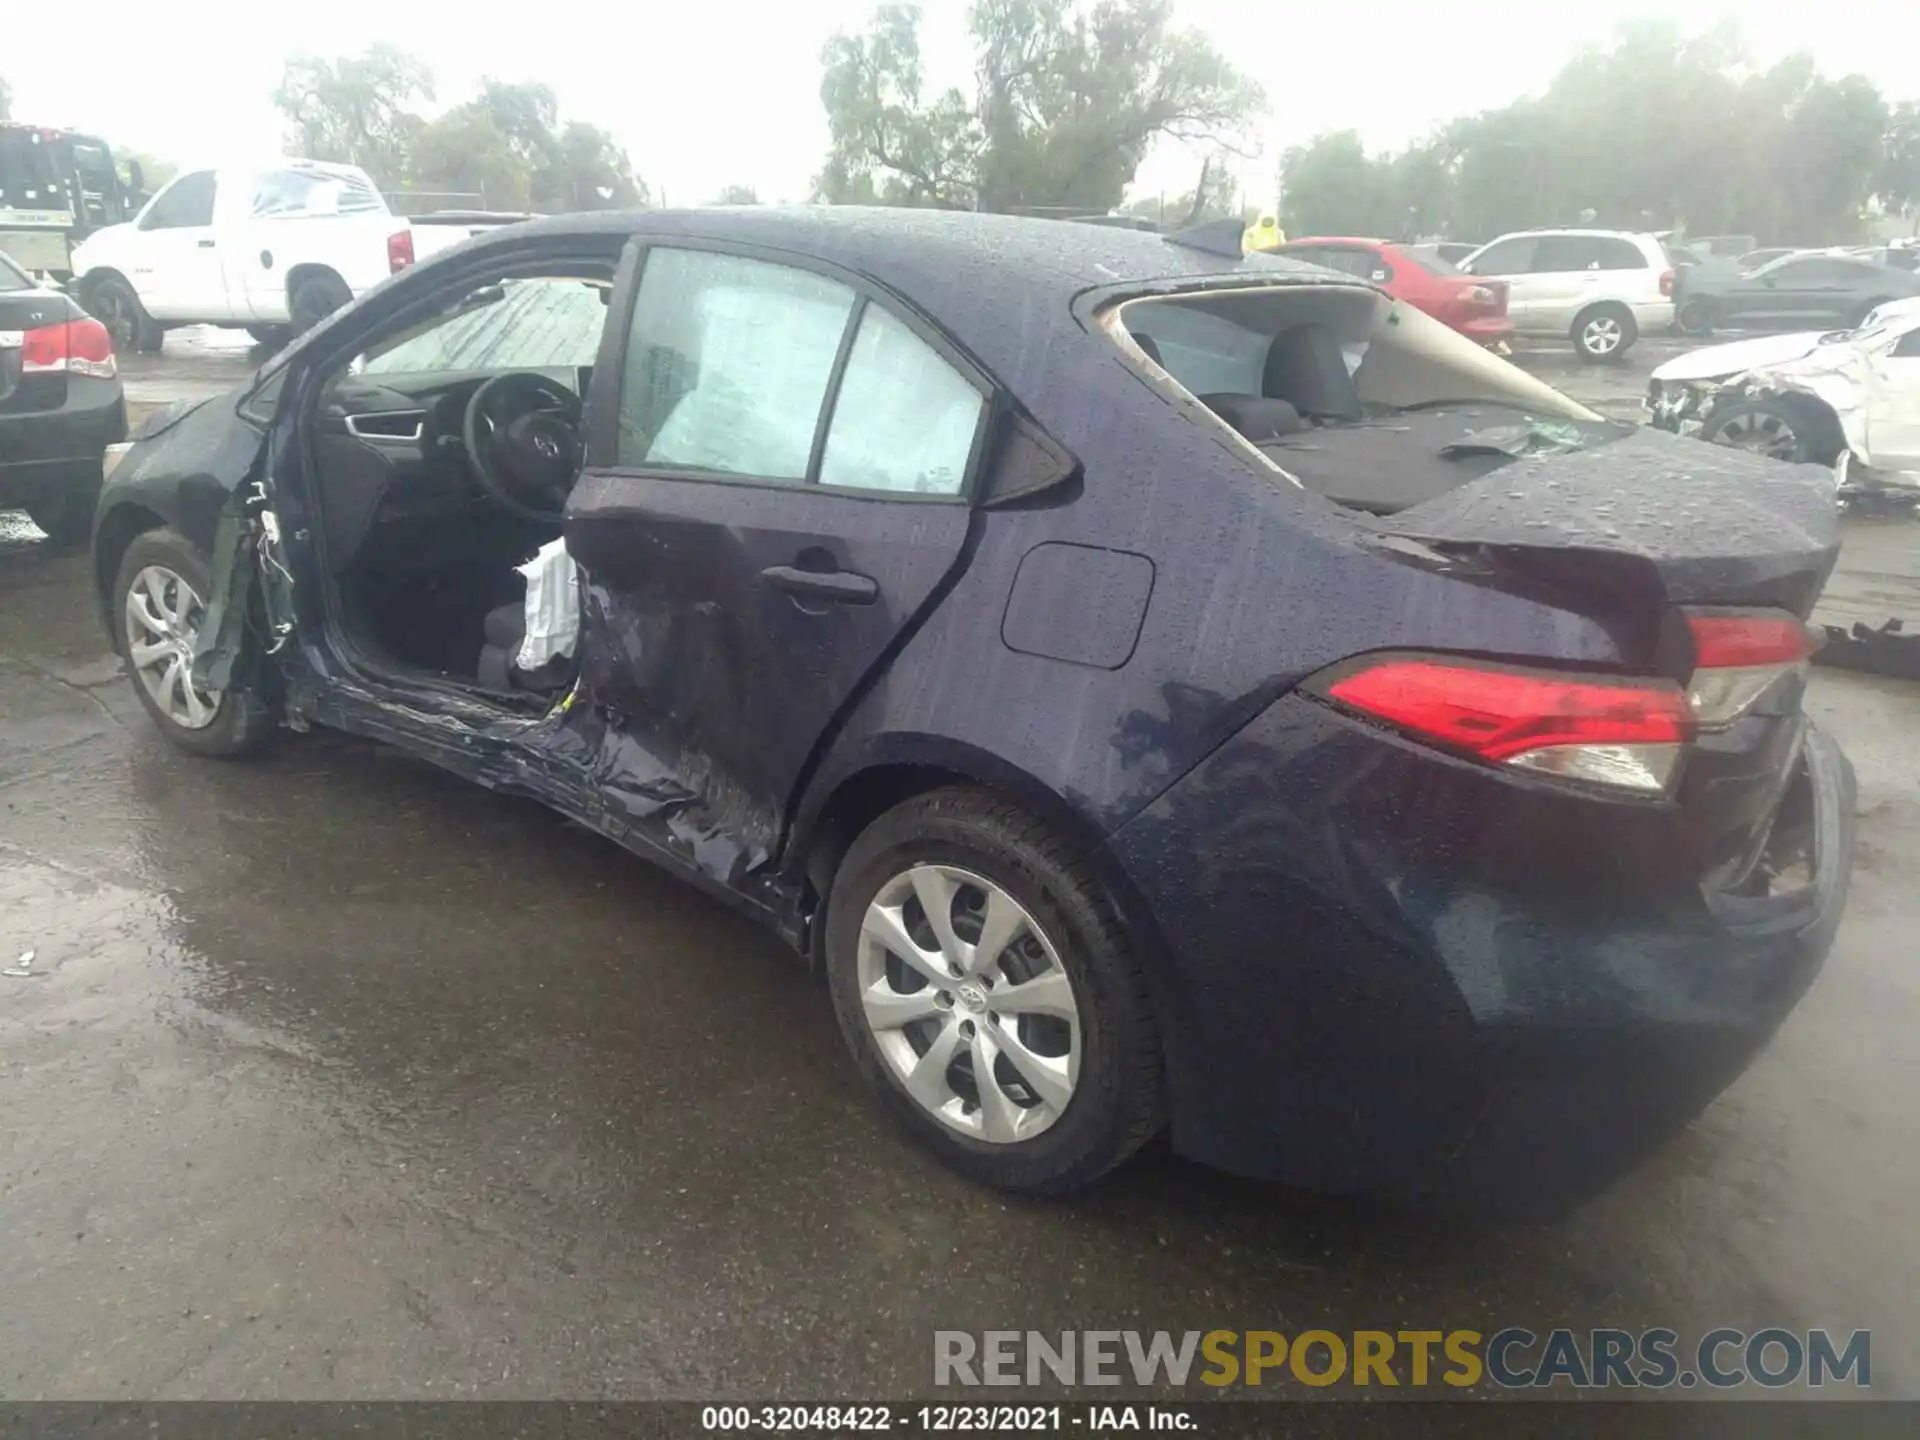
x: 334, y: 1076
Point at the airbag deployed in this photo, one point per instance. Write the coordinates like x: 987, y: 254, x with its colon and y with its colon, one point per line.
x: 552, y: 607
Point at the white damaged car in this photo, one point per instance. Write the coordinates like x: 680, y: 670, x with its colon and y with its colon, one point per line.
x: 1846, y: 398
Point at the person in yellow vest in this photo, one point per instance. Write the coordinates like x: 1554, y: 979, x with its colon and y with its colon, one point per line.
x: 1264, y: 234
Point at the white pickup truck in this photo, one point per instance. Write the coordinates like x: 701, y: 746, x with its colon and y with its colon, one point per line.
x: 271, y: 249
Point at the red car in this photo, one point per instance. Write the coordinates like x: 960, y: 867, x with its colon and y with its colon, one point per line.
x: 1416, y: 274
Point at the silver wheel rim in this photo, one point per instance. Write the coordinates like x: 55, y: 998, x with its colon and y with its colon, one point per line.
x: 1760, y: 432
x: 969, y: 1005
x: 1603, y: 335
x: 163, y: 616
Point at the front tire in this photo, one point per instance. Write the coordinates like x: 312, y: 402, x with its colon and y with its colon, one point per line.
x: 1778, y: 427
x: 112, y: 302
x: 1604, y: 333
x: 159, y: 600
x: 1696, y: 318
x: 1056, y: 1018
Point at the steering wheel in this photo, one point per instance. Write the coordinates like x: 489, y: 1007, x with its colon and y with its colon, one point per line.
x: 522, y: 432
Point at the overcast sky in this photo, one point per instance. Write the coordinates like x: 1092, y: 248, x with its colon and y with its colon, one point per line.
x: 711, y: 93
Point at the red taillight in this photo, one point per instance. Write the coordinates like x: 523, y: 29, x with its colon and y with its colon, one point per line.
x: 1622, y: 733
x: 75, y: 347
x: 399, y: 250
x: 1666, y: 284
x: 1738, y: 656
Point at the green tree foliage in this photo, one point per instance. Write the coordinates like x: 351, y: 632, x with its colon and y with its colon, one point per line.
x: 736, y: 195
x: 1066, y: 102
x: 1656, y: 130
x: 1899, y: 178
x: 355, y: 110
x: 507, y: 145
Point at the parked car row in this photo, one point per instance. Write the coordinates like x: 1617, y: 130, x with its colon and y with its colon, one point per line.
x: 1452, y: 831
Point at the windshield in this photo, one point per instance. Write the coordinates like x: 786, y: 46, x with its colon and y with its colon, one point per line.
x: 29, y: 175
x: 517, y: 325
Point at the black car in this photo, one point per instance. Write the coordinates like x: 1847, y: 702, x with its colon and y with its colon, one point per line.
x: 60, y: 406
x: 1799, y: 291
x: 1158, y: 687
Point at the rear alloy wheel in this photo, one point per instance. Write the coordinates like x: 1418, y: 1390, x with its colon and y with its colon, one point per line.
x: 159, y: 607
x: 1761, y: 427
x: 1603, y: 333
x: 989, y: 996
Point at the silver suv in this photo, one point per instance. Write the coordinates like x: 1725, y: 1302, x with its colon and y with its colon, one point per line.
x: 1598, y: 288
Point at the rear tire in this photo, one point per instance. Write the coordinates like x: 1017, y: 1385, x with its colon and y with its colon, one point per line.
x: 274, y: 337
x: 1604, y: 333
x: 66, y: 516
x: 314, y: 299
x: 112, y: 302
x: 1695, y: 318
x: 996, y: 860
x: 246, y: 714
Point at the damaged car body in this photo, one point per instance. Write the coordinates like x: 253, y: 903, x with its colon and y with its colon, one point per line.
x: 1159, y: 687
x: 1849, y: 399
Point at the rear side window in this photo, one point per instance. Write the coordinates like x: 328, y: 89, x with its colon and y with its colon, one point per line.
x: 1908, y: 347
x: 1614, y: 253
x: 1507, y: 257
x: 728, y: 365
x: 904, y: 419
x: 279, y: 193
x: 188, y: 201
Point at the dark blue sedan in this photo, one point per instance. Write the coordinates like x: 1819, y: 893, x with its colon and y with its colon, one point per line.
x: 1158, y: 688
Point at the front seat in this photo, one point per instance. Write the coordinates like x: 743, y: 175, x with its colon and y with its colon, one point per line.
x: 1306, y: 368
x: 505, y: 629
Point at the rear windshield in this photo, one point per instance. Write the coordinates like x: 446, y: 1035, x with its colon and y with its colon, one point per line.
x: 1430, y: 260
x: 1350, y: 394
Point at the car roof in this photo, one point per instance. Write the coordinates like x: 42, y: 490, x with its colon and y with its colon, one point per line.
x: 1334, y: 240
x: 1575, y: 230
x: 1002, y: 285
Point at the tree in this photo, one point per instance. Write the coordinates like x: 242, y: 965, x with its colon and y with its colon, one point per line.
x: 1067, y: 100
x: 1898, y: 182
x: 736, y: 195
x: 354, y: 109
x: 507, y: 145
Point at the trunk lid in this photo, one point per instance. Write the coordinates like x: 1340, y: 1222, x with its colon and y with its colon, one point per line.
x: 1685, y: 522
x: 1648, y: 533
x: 21, y: 311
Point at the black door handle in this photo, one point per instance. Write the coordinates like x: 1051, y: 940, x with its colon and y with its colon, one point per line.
x: 843, y: 585
x: 206, y: 244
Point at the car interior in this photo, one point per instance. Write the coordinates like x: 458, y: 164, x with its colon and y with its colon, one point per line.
x: 443, y: 456
x: 1366, y: 402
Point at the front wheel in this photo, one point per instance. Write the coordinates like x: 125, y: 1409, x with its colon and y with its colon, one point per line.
x: 112, y: 302
x: 159, y: 605
x: 1777, y: 427
x: 1604, y: 333
x: 989, y: 994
